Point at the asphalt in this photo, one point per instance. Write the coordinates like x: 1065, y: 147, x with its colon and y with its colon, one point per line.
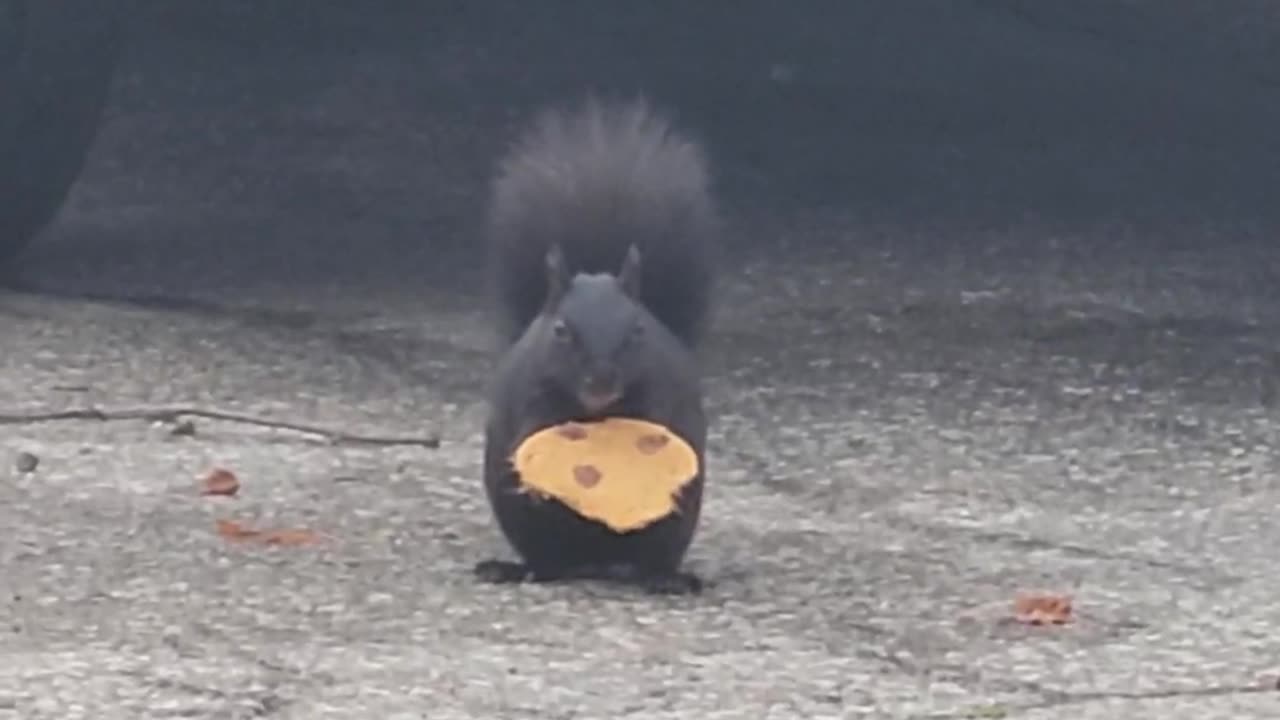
x: 915, y: 420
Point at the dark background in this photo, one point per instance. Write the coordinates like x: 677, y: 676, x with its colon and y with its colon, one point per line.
x: 955, y: 109
x: 374, y: 126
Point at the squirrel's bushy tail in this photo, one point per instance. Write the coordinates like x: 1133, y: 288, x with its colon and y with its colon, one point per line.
x: 596, y: 179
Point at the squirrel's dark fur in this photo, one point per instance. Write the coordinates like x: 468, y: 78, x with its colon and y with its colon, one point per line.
x: 602, y: 233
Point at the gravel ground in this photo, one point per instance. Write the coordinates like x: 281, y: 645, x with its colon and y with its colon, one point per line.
x: 916, y: 418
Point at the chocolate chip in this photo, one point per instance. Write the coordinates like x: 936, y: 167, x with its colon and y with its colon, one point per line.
x: 650, y: 444
x: 573, y: 432
x: 587, y: 475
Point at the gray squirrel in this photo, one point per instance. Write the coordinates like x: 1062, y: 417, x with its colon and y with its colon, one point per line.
x: 602, y: 234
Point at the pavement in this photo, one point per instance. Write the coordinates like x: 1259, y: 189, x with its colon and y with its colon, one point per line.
x: 916, y: 418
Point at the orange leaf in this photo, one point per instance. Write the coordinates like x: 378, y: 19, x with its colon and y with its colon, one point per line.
x: 284, y: 537
x: 220, y: 482
x: 233, y: 530
x: 1042, y: 609
x: 290, y: 537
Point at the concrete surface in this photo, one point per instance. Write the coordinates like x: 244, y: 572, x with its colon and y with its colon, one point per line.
x: 915, y: 419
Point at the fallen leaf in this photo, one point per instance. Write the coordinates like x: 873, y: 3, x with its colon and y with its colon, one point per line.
x: 220, y: 482
x: 291, y: 537
x: 1042, y: 609
x: 233, y: 530
x: 285, y: 537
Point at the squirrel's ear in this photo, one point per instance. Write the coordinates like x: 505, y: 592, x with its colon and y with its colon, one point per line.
x: 557, y: 276
x: 629, y: 275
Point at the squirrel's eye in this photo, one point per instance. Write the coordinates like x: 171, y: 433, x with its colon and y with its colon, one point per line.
x: 637, y: 331
x: 560, y: 329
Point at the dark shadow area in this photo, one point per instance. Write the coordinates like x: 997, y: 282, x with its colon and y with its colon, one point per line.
x: 331, y: 140
x: 974, y: 111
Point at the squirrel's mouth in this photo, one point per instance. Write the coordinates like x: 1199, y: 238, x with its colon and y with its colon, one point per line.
x: 594, y: 400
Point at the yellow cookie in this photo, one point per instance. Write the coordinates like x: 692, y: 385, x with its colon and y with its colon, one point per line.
x: 621, y: 472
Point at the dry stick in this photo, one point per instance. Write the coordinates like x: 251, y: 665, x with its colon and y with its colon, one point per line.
x: 174, y: 414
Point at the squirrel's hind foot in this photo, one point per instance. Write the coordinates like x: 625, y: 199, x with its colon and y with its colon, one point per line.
x: 502, y: 572
x: 505, y: 572
x: 675, y: 583
x: 652, y: 581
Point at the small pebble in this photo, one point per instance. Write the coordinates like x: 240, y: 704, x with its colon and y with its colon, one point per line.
x: 186, y: 428
x: 26, y: 462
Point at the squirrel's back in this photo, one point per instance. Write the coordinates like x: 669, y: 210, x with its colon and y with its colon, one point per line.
x: 597, y: 179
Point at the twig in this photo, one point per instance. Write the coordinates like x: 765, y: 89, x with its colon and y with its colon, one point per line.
x: 175, y: 414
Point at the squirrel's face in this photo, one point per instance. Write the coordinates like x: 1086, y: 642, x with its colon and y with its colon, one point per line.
x: 596, y: 331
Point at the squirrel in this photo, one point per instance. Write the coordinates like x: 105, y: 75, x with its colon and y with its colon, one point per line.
x: 601, y: 233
